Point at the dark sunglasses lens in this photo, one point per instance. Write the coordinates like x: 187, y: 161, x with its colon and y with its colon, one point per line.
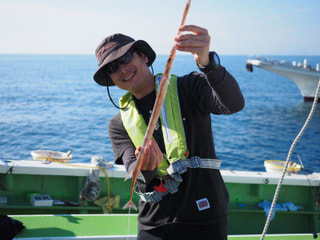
x: 125, y: 59
x: 112, y: 67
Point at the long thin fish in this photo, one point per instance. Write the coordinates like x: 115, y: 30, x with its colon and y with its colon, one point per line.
x: 155, y: 114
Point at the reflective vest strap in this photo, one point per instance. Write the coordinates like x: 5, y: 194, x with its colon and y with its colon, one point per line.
x: 172, y: 125
x: 173, y: 179
x: 132, y: 121
x: 180, y: 166
x: 170, y: 184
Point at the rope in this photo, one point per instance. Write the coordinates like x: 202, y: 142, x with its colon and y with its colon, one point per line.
x: 81, y: 166
x: 288, y: 160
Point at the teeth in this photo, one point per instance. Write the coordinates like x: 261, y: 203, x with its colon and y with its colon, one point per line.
x: 130, y: 76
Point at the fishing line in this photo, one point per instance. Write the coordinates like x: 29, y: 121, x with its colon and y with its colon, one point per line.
x: 129, y: 220
x: 315, y: 101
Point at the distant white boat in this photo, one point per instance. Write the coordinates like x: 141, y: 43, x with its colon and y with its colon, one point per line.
x: 304, y: 76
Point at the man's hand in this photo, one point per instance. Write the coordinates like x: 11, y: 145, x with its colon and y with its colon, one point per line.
x: 153, y: 156
x: 197, y: 41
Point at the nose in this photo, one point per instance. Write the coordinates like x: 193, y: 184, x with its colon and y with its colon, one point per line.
x: 123, y: 68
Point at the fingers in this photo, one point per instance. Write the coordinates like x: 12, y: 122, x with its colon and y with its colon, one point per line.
x: 195, y: 32
x: 197, y: 37
x: 152, y: 156
x: 193, y: 28
x: 196, y: 40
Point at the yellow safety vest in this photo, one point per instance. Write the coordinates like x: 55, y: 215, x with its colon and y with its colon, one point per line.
x: 171, y: 124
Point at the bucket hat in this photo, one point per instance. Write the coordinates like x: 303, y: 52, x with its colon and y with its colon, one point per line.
x: 114, y: 47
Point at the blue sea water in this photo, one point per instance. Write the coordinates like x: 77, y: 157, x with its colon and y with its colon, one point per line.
x: 50, y: 102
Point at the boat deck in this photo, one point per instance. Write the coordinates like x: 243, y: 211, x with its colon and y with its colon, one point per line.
x: 96, y: 227
x: 21, y: 179
x: 84, y: 226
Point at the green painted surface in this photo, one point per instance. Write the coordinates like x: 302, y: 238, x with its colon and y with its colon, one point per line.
x: 76, y: 225
x: 104, y: 225
x: 245, y: 217
x: 58, y: 187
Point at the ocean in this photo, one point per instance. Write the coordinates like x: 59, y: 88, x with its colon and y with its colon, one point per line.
x: 51, y: 102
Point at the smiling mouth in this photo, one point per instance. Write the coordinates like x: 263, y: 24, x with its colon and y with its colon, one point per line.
x: 129, y: 77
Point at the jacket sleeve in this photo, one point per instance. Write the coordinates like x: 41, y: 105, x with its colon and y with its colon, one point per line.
x: 121, y: 142
x: 226, y: 88
x: 215, y: 91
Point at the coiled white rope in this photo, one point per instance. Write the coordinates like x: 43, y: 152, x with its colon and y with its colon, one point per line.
x: 315, y: 101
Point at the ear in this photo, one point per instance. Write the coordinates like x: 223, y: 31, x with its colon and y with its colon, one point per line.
x: 145, y: 58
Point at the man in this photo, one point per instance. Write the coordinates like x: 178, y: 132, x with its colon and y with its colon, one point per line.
x: 183, y: 195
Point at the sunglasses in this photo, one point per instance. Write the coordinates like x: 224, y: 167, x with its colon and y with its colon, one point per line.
x: 125, y: 59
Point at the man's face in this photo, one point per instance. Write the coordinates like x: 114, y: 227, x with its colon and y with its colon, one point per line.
x: 132, y: 75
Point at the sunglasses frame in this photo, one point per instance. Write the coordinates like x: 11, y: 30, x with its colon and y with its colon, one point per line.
x: 125, y: 59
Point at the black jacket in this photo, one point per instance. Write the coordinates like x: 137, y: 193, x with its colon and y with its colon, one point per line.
x: 199, y: 96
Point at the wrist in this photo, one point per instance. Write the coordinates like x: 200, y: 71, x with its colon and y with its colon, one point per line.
x: 214, y: 63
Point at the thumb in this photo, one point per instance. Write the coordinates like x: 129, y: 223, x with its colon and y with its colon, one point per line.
x: 137, y: 151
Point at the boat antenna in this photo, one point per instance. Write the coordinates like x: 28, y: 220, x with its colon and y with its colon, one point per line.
x: 312, y: 110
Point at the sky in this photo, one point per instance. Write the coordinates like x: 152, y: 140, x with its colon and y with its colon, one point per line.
x: 236, y: 27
